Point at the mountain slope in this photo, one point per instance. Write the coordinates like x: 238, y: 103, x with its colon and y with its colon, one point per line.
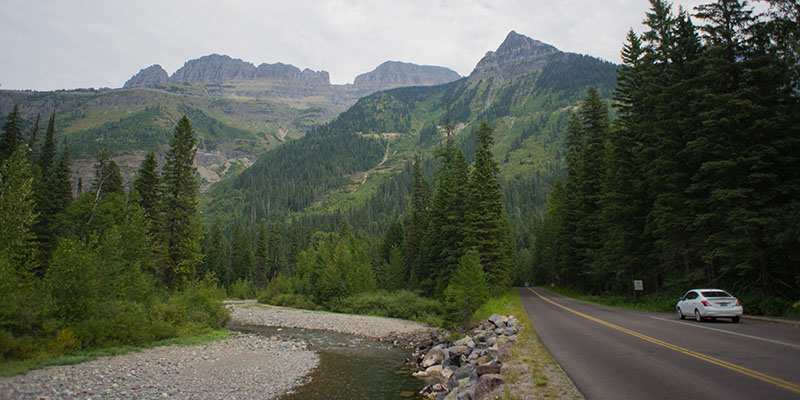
x: 525, y: 89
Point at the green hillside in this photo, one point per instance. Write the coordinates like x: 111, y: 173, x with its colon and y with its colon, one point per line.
x: 339, y: 170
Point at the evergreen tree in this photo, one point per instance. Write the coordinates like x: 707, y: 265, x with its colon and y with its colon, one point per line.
x: 114, y: 180
x: 17, y: 247
x: 417, y: 223
x: 276, y: 262
x: 623, y: 211
x: 443, y: 244
x: 262, y: 254
x: 242, y: 257
x: 147, y: 189
x: 11, y: 135
x: 487, y: 232
x: 17, y: 216
x: 180, y: 229
x: 47, y: 154
x: 216, y: 254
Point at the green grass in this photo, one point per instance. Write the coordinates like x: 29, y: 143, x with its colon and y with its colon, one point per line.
x: 655, y: 302
x: 532, y: 372
x: 19, y: 367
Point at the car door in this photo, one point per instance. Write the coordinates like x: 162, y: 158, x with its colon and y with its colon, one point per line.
x: 687, y: 305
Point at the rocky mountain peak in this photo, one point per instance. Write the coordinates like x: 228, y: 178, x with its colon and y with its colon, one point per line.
x: 213, y: 68
x: 393, y: 74
x: 152, y: 75
x: 517, y: 55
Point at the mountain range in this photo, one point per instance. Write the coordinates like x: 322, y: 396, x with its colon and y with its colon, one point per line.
x: 238, y: 110
x: 292, y: 145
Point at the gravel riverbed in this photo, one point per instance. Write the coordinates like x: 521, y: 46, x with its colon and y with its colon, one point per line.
x: 244, y: 366
x: 387, y: 329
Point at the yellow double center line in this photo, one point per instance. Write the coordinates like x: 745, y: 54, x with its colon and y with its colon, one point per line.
x: 742, y: 370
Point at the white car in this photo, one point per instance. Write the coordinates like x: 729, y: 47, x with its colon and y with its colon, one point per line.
x: 709, y: 303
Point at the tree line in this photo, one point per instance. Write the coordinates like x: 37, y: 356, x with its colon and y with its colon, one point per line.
x: 103, y: 268
x: 698, y: 179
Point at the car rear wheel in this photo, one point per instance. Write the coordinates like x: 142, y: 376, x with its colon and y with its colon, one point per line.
x: 680, y: 314
x: 735, y: 319
x: 697, y: 316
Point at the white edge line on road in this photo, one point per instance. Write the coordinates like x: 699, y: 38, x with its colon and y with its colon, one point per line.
x: 728, y: 332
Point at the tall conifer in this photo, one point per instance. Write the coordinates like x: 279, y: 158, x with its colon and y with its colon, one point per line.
x: 487, y: 232
x: 180, y: 229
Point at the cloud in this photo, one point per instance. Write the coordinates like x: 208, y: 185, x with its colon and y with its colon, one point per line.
x: 94, y: 43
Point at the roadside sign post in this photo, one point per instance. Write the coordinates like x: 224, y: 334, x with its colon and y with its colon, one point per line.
x: 638, y: 286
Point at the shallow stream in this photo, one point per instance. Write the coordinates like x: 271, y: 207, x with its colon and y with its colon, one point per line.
x: 350, y: 367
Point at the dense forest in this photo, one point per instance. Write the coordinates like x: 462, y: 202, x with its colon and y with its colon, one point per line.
x: 107, y: 268
x: 696, y: 182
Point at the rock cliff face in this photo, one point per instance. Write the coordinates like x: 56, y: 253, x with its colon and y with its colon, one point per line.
x: 216, y: 69
x: 213, y: 68
x: 290, y: 73
x: 152, y: 75
x: 516, y: 56
x: 395, y: 74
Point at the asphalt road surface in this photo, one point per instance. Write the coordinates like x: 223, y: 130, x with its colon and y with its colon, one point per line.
x: 619, y: 354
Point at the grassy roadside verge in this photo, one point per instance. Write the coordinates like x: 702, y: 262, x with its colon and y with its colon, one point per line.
x: 532, y: 372
x: 656, y: 302
x: 18, y: 367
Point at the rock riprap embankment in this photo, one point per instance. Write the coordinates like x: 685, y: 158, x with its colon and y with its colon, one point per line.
x: 240, y: 367
x: 468, y: 368
x: 400, y: 332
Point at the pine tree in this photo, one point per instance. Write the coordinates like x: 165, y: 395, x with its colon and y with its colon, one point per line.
x: 242, y: 257
x: 443, y: 244
x: 147, y: 189
x: 216, y: 254
x: 180, y: 229
x: 47, y: 154
x: 11, y: 135
x: 262, y: 254
x: 54, y: 196
x: 417, y: 223
x: 17, y: 217
x: 487, y: 231
x: 114, y: 180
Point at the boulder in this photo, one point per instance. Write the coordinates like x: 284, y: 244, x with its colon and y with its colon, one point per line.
x: 435, y: 372
x: 435, y: 356
x: 497, y: 320
x: 487, y: 383
x: 490, y: 368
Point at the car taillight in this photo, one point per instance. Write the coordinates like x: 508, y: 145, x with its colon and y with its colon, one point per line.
x: 705, y: 303
x: 738, y: 303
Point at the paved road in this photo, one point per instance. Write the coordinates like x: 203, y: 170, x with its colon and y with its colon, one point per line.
x: 619, y: 354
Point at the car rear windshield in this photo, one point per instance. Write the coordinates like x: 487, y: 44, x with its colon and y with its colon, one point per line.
x: 715, y: 294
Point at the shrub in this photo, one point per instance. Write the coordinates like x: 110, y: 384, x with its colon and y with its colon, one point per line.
x: 399, y: 304
x: 275, y: 287
x: 467, y: 290
x: 198, y: 303
x: 293, y: 300
x: 242, y: 289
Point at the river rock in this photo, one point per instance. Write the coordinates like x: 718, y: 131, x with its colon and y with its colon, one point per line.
x: 497, y: 320
x: 487, y: 383
x: 434, y: 356
x: 490, y: 368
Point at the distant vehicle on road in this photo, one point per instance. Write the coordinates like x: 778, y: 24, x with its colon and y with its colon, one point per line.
x: 709, y: 303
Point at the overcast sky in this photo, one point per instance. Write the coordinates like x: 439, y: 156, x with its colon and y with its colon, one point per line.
x: 53, y: 44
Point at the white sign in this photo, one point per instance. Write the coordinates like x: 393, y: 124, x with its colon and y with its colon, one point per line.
x: 638, y: 285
